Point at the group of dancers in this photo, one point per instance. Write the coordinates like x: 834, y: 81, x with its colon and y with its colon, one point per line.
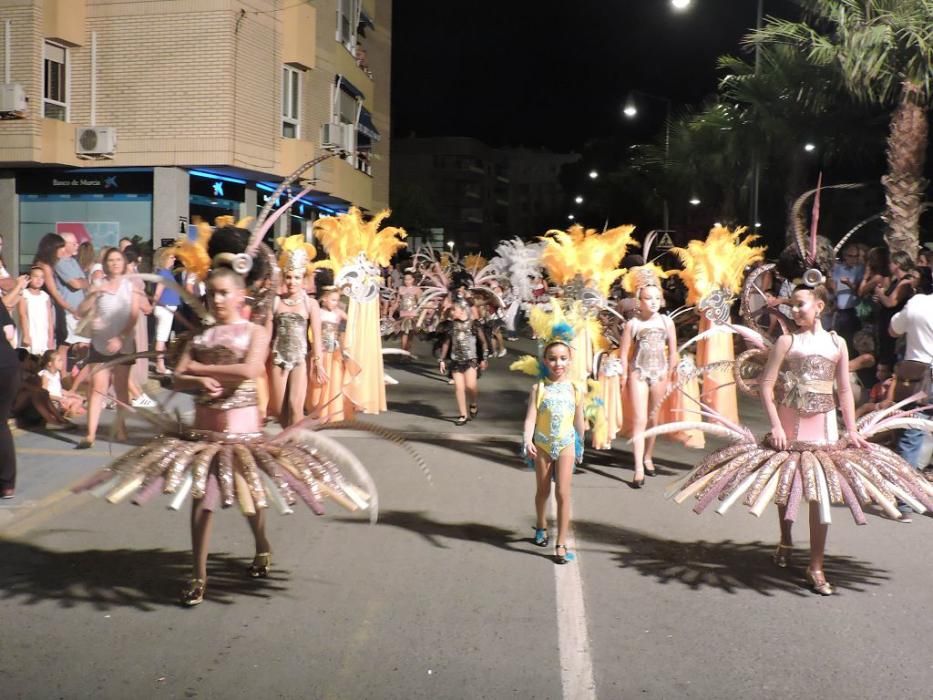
x: 601, y: 367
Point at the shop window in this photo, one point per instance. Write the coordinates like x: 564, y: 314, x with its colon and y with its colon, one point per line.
x: 55, y: 87
x: 291, y: 102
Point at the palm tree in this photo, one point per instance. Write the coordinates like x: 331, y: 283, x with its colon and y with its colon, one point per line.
x: 882, y: 51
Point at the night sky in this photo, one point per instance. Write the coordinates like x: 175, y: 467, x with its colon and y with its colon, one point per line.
x: 555, y: 73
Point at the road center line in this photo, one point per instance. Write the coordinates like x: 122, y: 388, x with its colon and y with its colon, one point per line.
x: 576, y: 663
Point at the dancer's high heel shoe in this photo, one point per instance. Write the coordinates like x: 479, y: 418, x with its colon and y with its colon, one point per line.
x: 781, y: 556
x: 818, y: 583
x: 260, y: 566
x: 193, y: 592
x: 649, y: 467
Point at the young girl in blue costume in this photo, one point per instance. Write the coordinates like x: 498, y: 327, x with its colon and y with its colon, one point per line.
x: 553, y: 434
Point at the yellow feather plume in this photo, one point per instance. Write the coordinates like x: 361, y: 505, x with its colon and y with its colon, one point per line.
x: 227, y: 220
x: 586, y: 252
x: 633, y: 277
x: 474, y: 263
x: 718, y: 262
x: 345, y: 236
x: 527, y: 364
x: 193, y: 253
x: 289, y: 244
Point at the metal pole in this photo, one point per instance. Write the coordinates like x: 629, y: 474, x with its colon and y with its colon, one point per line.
x: 667, y: 155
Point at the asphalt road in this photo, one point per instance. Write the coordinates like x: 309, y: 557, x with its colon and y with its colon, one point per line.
x: 446, y: 597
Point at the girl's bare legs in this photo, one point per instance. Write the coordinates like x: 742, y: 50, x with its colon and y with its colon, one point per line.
x: 639, y: 393
x: 257, y: 523
x: 655, y: 396
x: 786, y: 526
x: 278, y: 382
x: 818, y: 534
x: 460, y: 390
x: 100, y: 382
x: 201, y: 522
x: 121, y: 382
x: 297, y: 391
x: 472, y: 390
x: 406, y: 342
x: 543, y: 466
x: 564, y: 474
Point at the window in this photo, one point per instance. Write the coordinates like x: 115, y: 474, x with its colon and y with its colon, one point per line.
x: 291, y: 102
x: 55, y: 88
x: 348, y: 19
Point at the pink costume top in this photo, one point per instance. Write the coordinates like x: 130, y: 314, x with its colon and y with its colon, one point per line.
x: 236, y: 410
x: 804, y: 389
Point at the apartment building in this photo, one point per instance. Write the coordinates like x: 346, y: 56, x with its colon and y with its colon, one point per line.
x: 476, y: 195
x: 138, y: 117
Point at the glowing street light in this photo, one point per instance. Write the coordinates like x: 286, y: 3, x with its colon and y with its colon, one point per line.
x: 450, y: 244
x: 809, y: 147
x: 593, y: 174
x: 680, y: 4
x: 757, y: 224
x: 570, y: 217
x: 695, y: 201
x: 630, y: 110
x: 578, y: 199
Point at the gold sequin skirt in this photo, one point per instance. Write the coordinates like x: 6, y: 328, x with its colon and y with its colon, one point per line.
x: 827, y: 474
x: 251, y: 470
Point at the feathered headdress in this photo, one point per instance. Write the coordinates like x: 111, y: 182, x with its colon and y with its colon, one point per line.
x: 193, y: 253
x: 718, y: 263
x: 346, y: 236
x: 592, y: 255
x: 520, y: 261
x: 549, y: 327
x: 296, y: 254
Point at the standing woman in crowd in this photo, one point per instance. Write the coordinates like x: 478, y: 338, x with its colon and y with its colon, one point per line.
x: 114, y: 307
x: 9, y: 385
x: 892, y: 299
x: 139, y: 370
x: 166, y: 301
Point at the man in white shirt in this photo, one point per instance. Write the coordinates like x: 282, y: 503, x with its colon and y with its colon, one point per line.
x: 915, y: 321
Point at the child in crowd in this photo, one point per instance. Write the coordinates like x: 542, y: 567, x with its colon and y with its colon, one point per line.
x: 50, y: 373
x: 36, y: 316
x: 330, y: 401
x: 408, y: 297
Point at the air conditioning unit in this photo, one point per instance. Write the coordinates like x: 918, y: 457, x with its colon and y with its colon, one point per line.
x: 95, y: 141
x: 12, y: 101
x: 337, y: 137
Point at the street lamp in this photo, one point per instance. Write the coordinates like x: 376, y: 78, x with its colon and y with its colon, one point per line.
x: 450, y: 244
x: 695, y: 201
x: 630, y: 110
x: 578, y: 199
x: 593, y: 174
x: 570, y: 217
x: 809, y: 147
x: 680, y: 5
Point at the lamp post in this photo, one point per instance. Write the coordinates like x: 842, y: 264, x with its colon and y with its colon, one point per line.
x: 630, y: 110
x: 756, y: 159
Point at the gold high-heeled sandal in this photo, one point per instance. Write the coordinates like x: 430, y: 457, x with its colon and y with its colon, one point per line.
x: 781, y: 556
x: 818, y: 583
x: 260, y: 566
x: 193, y: 592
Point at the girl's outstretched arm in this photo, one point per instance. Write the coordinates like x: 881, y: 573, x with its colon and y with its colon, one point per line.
x: 531, y: 417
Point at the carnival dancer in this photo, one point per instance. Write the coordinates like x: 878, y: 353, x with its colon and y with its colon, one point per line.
x: 804, y: 458
x: 293, y: 314
x: 224, y: 458
x: 328, y: 397
x: 409, y: 294
x: 463, y: 353
x: 554, y: 426
x: 356, y: 250
x: 648, y: 354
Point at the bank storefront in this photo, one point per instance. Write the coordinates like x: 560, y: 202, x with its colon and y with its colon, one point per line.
x: 101, y: 207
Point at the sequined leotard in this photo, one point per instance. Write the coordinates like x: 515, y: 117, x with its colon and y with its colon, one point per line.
x: 554, y: 426
x: 650, y: 351
x: 290, y: 345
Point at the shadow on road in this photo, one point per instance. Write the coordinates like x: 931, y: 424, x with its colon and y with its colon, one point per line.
x: 142, y: 579
x: 727, y: 565
x: 435, y: 532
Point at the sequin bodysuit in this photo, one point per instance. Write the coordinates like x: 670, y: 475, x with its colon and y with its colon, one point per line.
x: 290, y: 344
x: 557, y: 406
x: 650, y: 352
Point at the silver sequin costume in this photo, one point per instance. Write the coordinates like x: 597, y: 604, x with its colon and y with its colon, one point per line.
x: 290, y: 344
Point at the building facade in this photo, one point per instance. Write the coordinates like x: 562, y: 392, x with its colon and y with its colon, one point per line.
x: 138, y: 117
x: 473, y: 195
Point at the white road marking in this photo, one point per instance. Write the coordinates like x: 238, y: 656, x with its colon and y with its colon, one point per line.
x: 576, y: 663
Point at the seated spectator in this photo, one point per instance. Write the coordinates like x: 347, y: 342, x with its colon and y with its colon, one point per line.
x: 863, y: 364
x: 50, y: 373
x: 32, y: 406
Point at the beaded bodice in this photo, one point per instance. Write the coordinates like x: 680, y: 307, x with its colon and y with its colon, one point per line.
x: 462, y: 341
